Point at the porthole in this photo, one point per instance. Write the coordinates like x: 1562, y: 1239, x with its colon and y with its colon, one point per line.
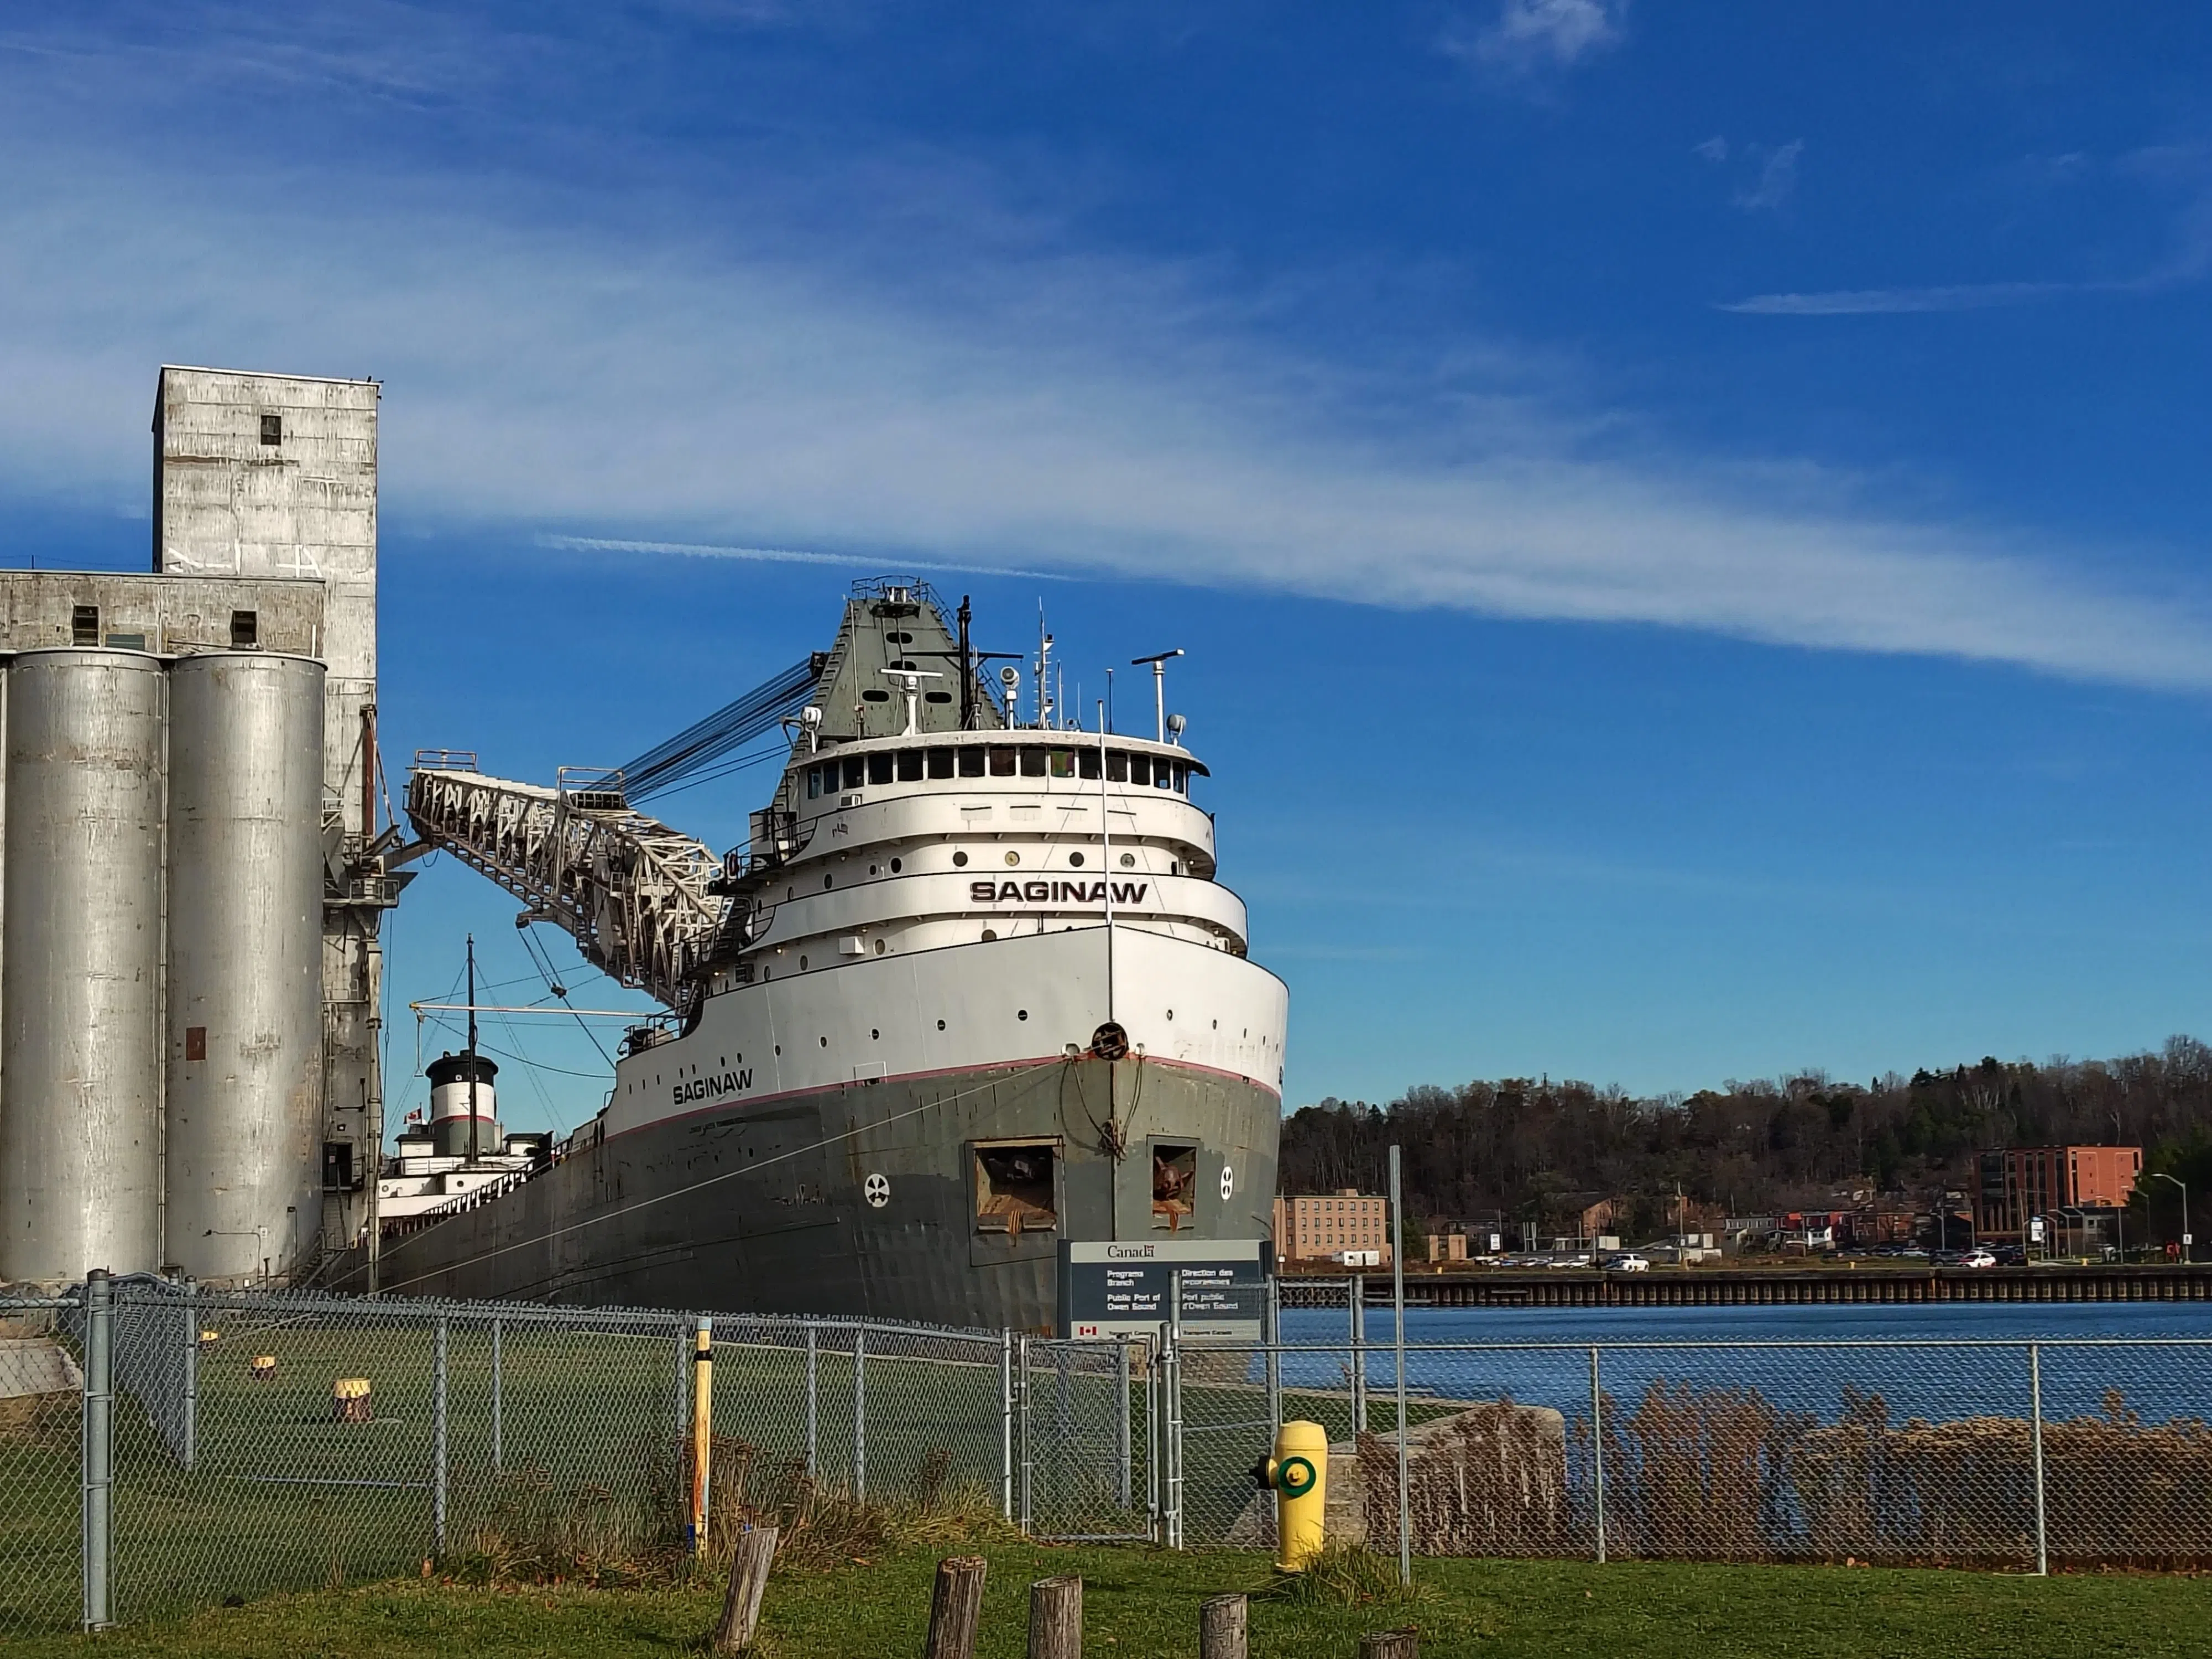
x: 1128, y: 861
x: 826, y: 880
x: 959, y: 860
x: 1014, y: 858
x: 825, y: 1041
x: 802, y: 964
x: 897, y: 864
x: 1170, y: 1013
x: 940, y: 1024
x: 779, y: 1048
x: 875, y: 1036
x: 1021, y: 1014
x: 879, y: 947
x: 989, y: 933
x: 1075, y: 860
x: 873, y: 871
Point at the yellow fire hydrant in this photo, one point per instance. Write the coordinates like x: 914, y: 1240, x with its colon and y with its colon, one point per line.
x: 1297, y: 1474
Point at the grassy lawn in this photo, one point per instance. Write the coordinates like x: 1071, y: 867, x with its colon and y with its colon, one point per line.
x: 1143, y: 1602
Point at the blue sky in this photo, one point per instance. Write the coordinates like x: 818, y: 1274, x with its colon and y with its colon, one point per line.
x: 1687, y: 521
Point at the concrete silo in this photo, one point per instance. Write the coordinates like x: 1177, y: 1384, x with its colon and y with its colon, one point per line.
x: 81, y: 974
x: 244, y: 1014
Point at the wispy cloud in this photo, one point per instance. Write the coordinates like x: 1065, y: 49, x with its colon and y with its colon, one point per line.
x: 1528, y: 35
x: 1869, y: 301
x: 2187, y: 260
x: 1776, y: 176
x: 843, y: 377
x: 794, y: 556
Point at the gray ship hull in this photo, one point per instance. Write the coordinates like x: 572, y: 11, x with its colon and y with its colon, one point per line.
x: 866, y: 1198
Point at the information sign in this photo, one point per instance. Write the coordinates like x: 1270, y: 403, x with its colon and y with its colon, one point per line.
x: 1122, y: 1288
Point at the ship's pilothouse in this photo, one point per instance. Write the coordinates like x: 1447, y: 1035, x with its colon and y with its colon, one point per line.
x: 913, y: 844
x: 878, y: 846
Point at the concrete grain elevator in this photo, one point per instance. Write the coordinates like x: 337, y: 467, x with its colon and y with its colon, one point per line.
x: 191, y: 876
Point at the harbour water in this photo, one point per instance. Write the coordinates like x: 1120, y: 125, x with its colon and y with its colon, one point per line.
x: 1936, y: 1361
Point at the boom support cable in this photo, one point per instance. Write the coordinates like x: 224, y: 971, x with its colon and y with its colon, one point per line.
x: 730, y: 726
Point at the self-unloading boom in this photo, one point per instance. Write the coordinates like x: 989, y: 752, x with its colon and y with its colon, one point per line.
x: 635, y: 893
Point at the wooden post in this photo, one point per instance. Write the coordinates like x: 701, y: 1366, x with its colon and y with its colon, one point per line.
x: 1404, y: 1644
x: 753, y: 1554
x: 1221, y: 1627
x: 954, y: 1607
x: 1056, y: 1619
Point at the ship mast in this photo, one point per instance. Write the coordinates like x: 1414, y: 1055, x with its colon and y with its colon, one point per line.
x: 472, y: 1048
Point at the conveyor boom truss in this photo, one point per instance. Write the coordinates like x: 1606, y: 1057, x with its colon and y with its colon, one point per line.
x: 634, y: 892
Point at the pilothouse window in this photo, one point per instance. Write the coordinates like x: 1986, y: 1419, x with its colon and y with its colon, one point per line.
x: 854, y: 765
x: 940, y: 762
x: 879, y: 768
x: 1117, y: 767
x: 909, y: 766
x: 971, y: 762
x: 1174, y: 1185
x: 1002, y: 763
x: 1015, y: 1187
x: 1032, y: 763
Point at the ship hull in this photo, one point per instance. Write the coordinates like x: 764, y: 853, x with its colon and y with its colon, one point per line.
x: 867, y: 1197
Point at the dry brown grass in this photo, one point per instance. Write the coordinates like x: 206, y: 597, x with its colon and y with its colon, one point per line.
x: 1722, y: 1474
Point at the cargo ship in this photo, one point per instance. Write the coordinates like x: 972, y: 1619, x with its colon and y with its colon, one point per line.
x: 972, y: 987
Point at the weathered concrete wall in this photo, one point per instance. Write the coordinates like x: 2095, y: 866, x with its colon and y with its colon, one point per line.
x: 41, y: 609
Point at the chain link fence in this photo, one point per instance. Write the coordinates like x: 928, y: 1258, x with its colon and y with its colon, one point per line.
x: 2017, y: 1455
x: 162, y: 1448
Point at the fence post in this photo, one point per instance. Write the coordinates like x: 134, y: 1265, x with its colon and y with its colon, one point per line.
x: 1171, y: 1385
x: 1006, y: 1424
x: 2035, y: 1408
x: 813, y: 1399
x: 1063, y: 1414
x: 1398, y: 1313
x: 1597, y: 1448
x: 1155, y: 1441
x: 1129, y: 1483
x: 1358, y: 1311
x: 1022, y: 1429
x: 498, y: 1398
x: 702, y: 1432
x: 859, y: 1410
x: 99, y: 1467
x: 189, y: 1453
x: 438, y: 1355
x: 1271, y: 1330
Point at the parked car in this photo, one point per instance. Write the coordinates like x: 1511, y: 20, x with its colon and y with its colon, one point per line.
x: 1571, y: 1261
x: 1628, y: 1264
x: 1978, y: 1259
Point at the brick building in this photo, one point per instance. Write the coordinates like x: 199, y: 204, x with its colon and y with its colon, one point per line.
x: 2021, y: 1181
x: 1322, y: 1226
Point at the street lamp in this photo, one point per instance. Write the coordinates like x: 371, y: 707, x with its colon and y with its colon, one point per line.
x: 2188, y: 1246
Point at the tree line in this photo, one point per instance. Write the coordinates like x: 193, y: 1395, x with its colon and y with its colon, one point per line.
x: 1533, y: 1150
